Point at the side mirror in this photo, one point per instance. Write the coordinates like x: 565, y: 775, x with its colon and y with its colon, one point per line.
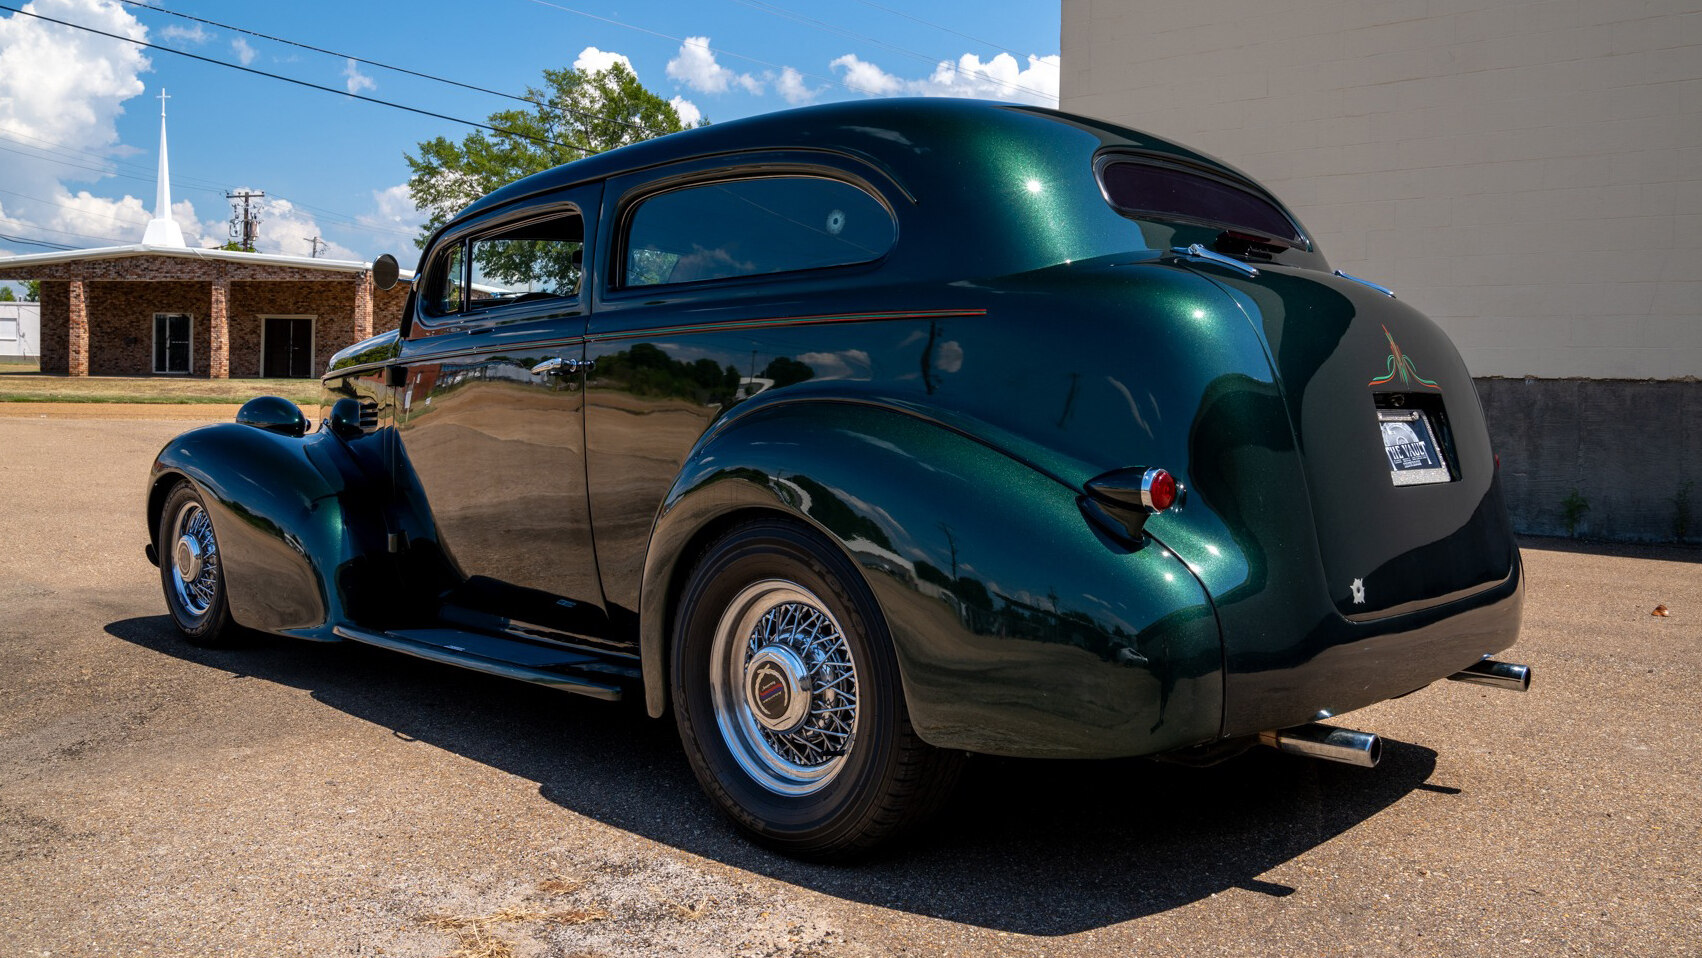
x: 273, y: 414
x: 385, y: 271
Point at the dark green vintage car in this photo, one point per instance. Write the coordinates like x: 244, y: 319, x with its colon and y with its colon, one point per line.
x: 870, y: 435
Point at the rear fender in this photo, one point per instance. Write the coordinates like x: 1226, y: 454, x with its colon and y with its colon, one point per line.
x: 1019, y: 628
x: 278, y: 509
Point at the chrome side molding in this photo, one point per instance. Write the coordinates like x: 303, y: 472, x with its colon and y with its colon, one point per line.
x: 1501, y: 675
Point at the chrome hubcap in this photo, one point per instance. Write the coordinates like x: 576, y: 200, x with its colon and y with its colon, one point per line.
x: 195, y: 560
x: 784, y: 687
x: 777, y: 689
x: 187, y: 559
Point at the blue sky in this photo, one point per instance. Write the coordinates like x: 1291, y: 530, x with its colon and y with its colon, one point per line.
x: 79, y: 118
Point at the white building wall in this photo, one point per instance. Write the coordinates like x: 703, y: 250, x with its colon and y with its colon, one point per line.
x: 20, y: 329
x: 1527, y: 173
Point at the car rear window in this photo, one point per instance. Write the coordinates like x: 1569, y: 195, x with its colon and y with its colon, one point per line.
x: 1138, y: 187
x: 753, y: 227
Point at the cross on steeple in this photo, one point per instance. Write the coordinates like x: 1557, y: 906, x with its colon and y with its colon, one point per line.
x: 162, y: 98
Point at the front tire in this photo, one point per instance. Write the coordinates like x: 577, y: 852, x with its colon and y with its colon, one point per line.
x: 192, y: 571
x: 787, y: 696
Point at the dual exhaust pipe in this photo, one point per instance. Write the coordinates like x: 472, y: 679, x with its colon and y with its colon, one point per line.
x: 1364, y: 749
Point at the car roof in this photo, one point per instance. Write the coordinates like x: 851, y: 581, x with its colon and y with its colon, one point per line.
x: 900, y: 135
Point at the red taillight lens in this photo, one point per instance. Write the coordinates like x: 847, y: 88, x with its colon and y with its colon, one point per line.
x: 1158, y: 490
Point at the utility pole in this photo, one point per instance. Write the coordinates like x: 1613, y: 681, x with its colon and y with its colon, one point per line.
x: 317, y: 242
x: 244, y: 224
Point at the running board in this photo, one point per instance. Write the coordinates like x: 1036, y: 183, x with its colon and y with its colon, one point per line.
x: 507, y: 658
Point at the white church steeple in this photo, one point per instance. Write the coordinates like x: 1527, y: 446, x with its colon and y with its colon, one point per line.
x: 162, y: 229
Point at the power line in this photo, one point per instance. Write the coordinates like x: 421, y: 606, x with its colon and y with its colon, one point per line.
x: 117, y: 170
x: 382, y: 66
x: 313, y: 86
x: 30, y: 242
x: 305, y: 46
x: 785, y: 14
x: 668, y: 36
x: 77, y: 209
x: 113, y: 169
x: 937, y: 26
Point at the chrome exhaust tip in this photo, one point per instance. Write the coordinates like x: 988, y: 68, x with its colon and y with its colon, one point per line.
x: 1327, y: 742
x: 1501, y: 675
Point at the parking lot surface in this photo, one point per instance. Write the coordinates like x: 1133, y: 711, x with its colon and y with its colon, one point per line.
x: 288, y: 798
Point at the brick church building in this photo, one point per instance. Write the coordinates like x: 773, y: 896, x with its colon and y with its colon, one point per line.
x: 159, y: 307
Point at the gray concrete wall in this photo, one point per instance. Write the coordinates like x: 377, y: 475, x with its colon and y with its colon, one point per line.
x: 1529, y: 174
x: 1628, y: 448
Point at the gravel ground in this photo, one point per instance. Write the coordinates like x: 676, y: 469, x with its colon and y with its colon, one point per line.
x: 334, y: 800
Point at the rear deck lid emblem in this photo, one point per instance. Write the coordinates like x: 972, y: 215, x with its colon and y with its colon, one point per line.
x: 1400, y: 364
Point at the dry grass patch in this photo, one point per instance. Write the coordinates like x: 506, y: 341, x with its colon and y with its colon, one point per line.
x: 473, y: 932
x: 560, y: 885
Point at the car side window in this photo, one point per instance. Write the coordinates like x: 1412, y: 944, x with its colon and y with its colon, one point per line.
x: 537, y: 259
x: 540, y: 258
x: 446, y: 292
x: 753, y: 227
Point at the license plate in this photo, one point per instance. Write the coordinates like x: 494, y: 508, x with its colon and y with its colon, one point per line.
x: 1415, y: 457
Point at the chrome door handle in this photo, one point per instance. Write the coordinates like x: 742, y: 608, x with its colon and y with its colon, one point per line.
x: 557, y: 366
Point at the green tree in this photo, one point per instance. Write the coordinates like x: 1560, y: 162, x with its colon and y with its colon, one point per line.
x: 32, y: 290
x: 6, y: 295
x: 574, y: 115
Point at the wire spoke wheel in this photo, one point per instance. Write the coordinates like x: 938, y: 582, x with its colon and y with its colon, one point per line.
x: 192, y: 569
x: 194, y: 559
x: 785, y: 687
x: 786, y: 691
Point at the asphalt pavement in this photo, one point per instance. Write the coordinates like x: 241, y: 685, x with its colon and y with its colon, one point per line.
x: 287, y: 798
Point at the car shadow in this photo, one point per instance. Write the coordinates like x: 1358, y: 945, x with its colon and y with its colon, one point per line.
x: 1034, y: 847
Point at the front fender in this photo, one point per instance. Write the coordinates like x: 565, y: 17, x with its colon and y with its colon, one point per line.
x: 277, y: 504
x: 1019, y: 628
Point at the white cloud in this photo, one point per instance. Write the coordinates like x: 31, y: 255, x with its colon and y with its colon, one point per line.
x: 1001, y: 78
x: 65, y: 88
x: 285, y: 229
x: 194, y: 34
x: 792, y: 86
x: 61, y: 92
x: 243, y: 51
x: 690, y: 115
x: 357, y: 81
x: 593, y: 60
x: 696, y: 67
x: 392, y: 219
x: 861, y: 77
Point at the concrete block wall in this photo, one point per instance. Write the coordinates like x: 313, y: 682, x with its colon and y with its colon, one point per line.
x: 1630, y: 450
x: 1527, y: 173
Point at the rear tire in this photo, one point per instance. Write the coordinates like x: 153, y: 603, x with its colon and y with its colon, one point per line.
x: 192, y: 571
x: 787, y: 697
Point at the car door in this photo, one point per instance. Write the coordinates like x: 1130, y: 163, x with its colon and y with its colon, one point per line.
x: 491, y: 413
x: 711, y: 292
